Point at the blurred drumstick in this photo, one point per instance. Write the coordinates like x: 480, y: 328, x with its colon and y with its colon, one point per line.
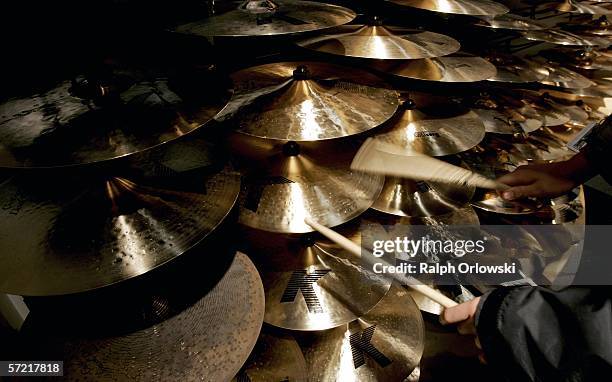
x: 384, y: 158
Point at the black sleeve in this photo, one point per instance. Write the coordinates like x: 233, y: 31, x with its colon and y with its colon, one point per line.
x: 535, y: 334
x: 599, y: 147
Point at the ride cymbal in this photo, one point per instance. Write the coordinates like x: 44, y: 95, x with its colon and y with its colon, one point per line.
x: 509, y: 21
x: 460, y: 7
x: 293, y: 181
x: 382, y: 42
x: 561, y: 37
x: 458, y: 67
x: 310, y: 288
x: 203, y: 338
x: 307, y: 101
x: 386, y: 344
x: 267, y: 18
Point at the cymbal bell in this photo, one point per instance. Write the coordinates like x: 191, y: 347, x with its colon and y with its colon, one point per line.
x: 268, y: 18
x: 386, y: 344
x: 457, y: 67
x: 509, y: 21
x: 460, y: 7
x: 307, y: 101
x: 561, y: 37
x: 382, y: 42
x: 291, y: 181
x: 580, y: 8
x: 308, y: 287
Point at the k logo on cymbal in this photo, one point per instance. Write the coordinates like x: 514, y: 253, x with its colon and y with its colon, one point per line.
x: 361, y: 346
x: 302, y: 281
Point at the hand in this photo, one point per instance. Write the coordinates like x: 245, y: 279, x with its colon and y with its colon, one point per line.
x: 463, y: 316
x: 539, y: 181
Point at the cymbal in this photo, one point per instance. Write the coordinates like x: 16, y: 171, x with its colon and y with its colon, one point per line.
x: 386, y: 344
x: 294, y: 181
x: 561, y: 37
x: 72, y: 233
x: 209, y: 339
x: 565, y: 78
x: 496, y: 122
x: 582, y: 59
x: 598, y: 27
x: 581, y: 7
x: 516, y: 70
x: 509, y: 21
x: 309, y: 287
x: 405, y: 197
x: 461, y: 7
x: 457, y: 67
x: 382, y: 42
x: 307, y: 101
x: 276, y: 357
x: 268, y: 18
x: 62, y: 127
x: 490, y: 201
x: 433, y: 128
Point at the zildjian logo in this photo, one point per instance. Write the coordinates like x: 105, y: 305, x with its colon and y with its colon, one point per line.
x: 360, y: 346
x: 302, y: 281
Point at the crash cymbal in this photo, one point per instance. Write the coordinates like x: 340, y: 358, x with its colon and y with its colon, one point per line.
x: 72, y: 233
x: 78, y: 122
x: 307, y: 101
x: 310, y: 288
x: 293, y: 181
x: 386, y: 344
x: 565, y: 78
x: 458, y: 67
x: 584, y: 7
x: 276, y: 357
x: 561, y: 37
x: 428, y: 127
x: 405, y: 197
x: 382, y: 42
x: 516, y: 70
x: 496, y: 122
x: 268, y: 18
x: 209, y: 339
x: 460, y: 7
x: 509, y: 21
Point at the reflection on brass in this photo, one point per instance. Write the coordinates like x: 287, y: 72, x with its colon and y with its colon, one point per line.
x: 565, y: 78
x: 509, y: 21
x: 496, y: 122
x: 516, y: 70
x: 561, y: 37
x: 579, y: 7
x: 461, y: 7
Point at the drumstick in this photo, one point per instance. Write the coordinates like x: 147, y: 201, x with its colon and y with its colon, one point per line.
x: 387, y: 159
x: 357, y: 250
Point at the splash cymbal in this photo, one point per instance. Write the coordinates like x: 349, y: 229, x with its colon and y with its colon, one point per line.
x: 267, y: 18
x: 433, y: 128
x: 310, y: 288
x: 458, y: 67
x: 561, y: 37
x: 581, y: 7
x: 496, y: 122
x: 509, y: 21
x: 516, y: 70
x: 276, y: 357
x: 176, y: 338
x: 382, y: 42
x: 307, y: 101
x: 386, y: 344
x: 460, y: 7
x: 72, y: 233
x: 293, y: 181
x: 565, y: 78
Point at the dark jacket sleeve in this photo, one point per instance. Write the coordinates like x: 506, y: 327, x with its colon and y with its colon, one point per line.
x: 598, y: 148
x: 535, y: 334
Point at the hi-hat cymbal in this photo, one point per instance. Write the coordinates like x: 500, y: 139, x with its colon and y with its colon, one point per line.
x: 174, y: 338
x: 67, y: 234
x: 276, y: 357
x: 307, y: 101
x: 509, y: 21
x: 436, y: 129
x: 294, y: 181
x: 496, y: 122
x: 386, y: 344
x: 561, y: 37
x: 310, y: 288
x: 460, y: 7
x: 382, y: 42
x: 565, y: 78
x: 581, y: 7
x: 516, y: 70
x: 458, y: 67
x: 268, y: 17
x: 405, y: 197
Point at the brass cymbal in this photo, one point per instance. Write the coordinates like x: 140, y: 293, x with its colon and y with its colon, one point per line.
x: 565, y: 78
x: 509, y: 21
x: 582, y: 59
x: 516, y: 70
x: 561, y: 37
x: 307, y: 101
x: 581, y: 7
x: 490, y: 201
x: 460, y: 7
x: 405, y: 197
x: 276, y: 357
x: 496, y: 122
x: 268, y: 18
x: 67, y: 234
x: 209, y: 339
x: 310, y: 288
x: 293, y: 181
x: 62, y: 127
x: 433, y: 128
x: 457, y: 67
x: 382, y: 42
x: 598, y: 27
x: 386, y: 344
